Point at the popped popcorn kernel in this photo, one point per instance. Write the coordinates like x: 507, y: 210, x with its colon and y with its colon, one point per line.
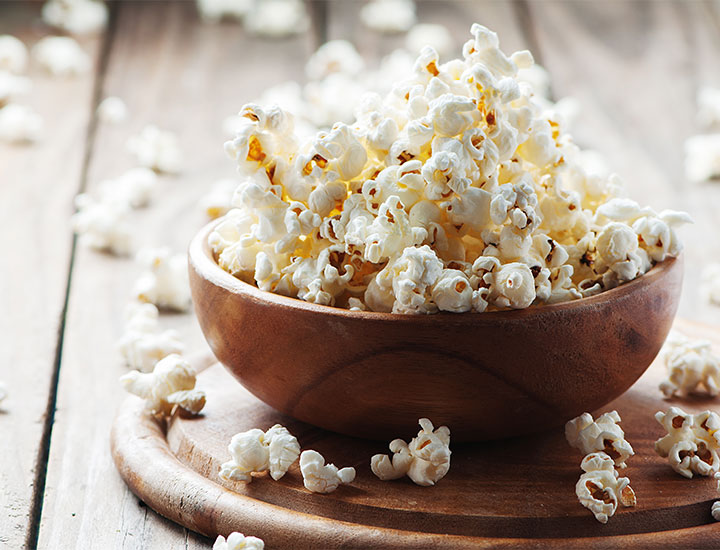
x: 13, y: 54
x: 702, y: 157
x: 76, y: 16
x: 12, y: 87
x: 603, y: 434
x: 112, y: 110
x: 715, y: 510
x: 133, y: 188
x: 170, y: 384
x: 103, y: 225
x: 61, y: 56
x: 691, y: 366
x: 238, y: 541
x: 143, y: 344
x: 425, y: 460
x: 389, y: 16
x: 319, y: 477
x: 20, y: 124
x: 165, y: 281
x: 600, y: 489
x: 157, y: 149
x: 692, y: 442
x: 277, y: 18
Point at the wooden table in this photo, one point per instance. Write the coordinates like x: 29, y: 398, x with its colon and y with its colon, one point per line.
x: 635, y: 67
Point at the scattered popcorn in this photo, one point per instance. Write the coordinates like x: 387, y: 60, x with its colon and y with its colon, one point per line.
x: 425, y: 460
x: 143, y: 345
x: 257, y: 451
x: 171, y: 383
x: 19, y: 124
x: 430, y: 34
x: 458, y: 191
x: 710, y: 286
x: 76, y: 16
x: 715, y: 510
x: 335, y: 56
x: 165, y: 283
x: 12, y: 86
x: 600, y: 489
x: 691, y: 364
x: 692, y: 443
x: 13, y: 54
x: 134, y: 187
x: 112, y: 110
x: 277, y: 18
x: 219, y: 200
x: 604, y: 434
x: 213, y: 11
x: 319, y: 477
x: 103, y: 225
x: 3, y: 391
x: 238, y: 541
x: 708, y: 100
x: 389, y: 16
x: 61, y: 56
x: 702, y: 157
x: 156, y: 149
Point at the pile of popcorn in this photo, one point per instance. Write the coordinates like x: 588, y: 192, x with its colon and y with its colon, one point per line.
x: 458, y: 191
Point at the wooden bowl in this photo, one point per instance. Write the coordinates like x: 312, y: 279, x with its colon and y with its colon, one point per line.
x: 486, y: 376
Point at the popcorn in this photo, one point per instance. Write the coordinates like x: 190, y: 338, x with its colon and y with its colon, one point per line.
x: 213, y: 11
x: 134, y: 187
x: 335, y: 56
x: 319, y: 477
x: 112, y: 110
x: 537, y: 78
x: 692, y: 443
x: 61, y: 56
x: 13, y: 54
x: 156, y: 149
x: 219, y: 200
x: 12, y: 86
x: 710, y: 287
x: 430, y: 34
x: 76, y: 16
x: 715, y: 510
x: 603, y: 434
x: 600, y: 489
x: 708, y: 100
x: 458, y: 191
x: 277, y: 18
x: 103, y: 225
x: 257, y: 451
x: 425, y: 460
x: 389, y: 16
x: 165, y: 283
x: 702, y: 157
x: 690, y: 365
x: 143, y: 345
x: 238, y: 541
x: 20, y: 124
x: 170, y: 384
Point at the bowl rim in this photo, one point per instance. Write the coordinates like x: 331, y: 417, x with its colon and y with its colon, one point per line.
x: 201, y: 259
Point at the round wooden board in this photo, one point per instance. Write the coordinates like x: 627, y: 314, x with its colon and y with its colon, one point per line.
x: 505, y: 494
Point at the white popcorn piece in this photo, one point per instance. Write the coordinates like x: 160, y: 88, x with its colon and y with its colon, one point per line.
x: 691, y: 366
x: 692, y: 442
x: 213, y: 11
x: 238, y: 541
x: 702, y: 157
x: 112, y: 110
x: 165, y: 283
x: 425, y: 460
x: 603, y: 434
x: 143, y: 344
x: 430, y: 34
x: 12, y: 86
x: 389, y: 16
x: 76, y: 16
x: 157, y: 149
x: 277, y: 18
x: 708, y: 100
x: 256, y: 451
x: 537, y: 78
x: 218, y: 201
x: 335, y: 56
x: 600, y: 489
x: 134, y: 187
x: 61, y: 56
x: 710, y: 283
x: 319, y: 477
x: 13, y: 54
x: 170, y: 384
x: 103, y: 225
x: 715, y: 510
x: 20, y: 124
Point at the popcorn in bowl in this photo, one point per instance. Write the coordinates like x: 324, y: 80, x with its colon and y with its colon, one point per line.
x: 459, y: 191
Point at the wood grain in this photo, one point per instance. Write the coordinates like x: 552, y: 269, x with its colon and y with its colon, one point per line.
x: 185, y: 77
x: 522, y: 488
x: 36, y: 240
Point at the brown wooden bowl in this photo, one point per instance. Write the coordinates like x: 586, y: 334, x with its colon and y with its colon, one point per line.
x: 486, y: 376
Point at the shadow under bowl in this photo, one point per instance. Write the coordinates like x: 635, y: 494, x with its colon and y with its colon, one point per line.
x: 486, y: 376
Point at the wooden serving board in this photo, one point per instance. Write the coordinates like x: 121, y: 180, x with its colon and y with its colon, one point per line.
x: 505, y: 494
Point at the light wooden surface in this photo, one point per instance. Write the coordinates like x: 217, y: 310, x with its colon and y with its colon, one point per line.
x: 635, y: 66
x: 510, y: 493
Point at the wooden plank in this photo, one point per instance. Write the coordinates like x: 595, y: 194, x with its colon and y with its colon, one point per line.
x: 636, y: 68
x: 185, y: 77
x: 37, y: 185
